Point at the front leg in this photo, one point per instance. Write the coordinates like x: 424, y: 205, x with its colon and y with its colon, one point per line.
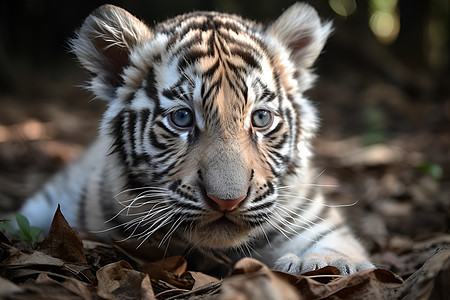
x: 338, y: 248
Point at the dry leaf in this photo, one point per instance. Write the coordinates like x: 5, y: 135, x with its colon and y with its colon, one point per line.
x: 202, y: 280
x: 251, y: 279
x: 369, y: 284
x: 431, y: 281
x: 62, y: 241
x: 171, y: 270
x: 7, y: 288
x: 19, y: 259
x: 47, y: 288
x: 120, y: 281
x: 141, y: 253
x: 65, y: 289
x: 21, y: 265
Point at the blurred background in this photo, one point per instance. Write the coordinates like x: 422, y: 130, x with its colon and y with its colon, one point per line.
x: 383, y: 93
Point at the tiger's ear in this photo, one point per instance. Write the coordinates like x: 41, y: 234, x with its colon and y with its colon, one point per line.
x: 103, y: 45
x: 300, y: 29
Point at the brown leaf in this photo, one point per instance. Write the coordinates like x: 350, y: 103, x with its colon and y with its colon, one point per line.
x: 67, y: 287
x: 99, y: 255
x: 45, y: 287
x: 20, y: 259
x: 171, y: 270
x: 7, y: 288
x: 251, y: 279
x: 3, y: 238
x: 62, y: 241
x: 142, y: 253
x: 202, y: 280
x: 22, y: 265
x: 431, y: 281
x: 369, y: 284
x: 120, y: 281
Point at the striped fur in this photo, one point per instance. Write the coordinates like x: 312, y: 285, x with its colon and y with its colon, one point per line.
x: 206, y: 139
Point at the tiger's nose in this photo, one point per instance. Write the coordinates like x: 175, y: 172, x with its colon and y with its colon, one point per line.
x: 225, y: 204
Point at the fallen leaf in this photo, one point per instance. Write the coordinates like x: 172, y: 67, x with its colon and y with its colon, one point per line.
x: 3, y: 238
x: 21, y: 264
x: 142, y: 253
x: 202, y: 280
x: 120, y: 281
x: 431, y: 281
x: 252, y: 279
x: 7, y: 288
x: 171, y: 270
x: 65, y: 289
x: 62, y: 241
x: 20, y: 259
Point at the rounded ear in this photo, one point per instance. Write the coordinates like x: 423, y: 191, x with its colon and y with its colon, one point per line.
x: 103, y: 45
x: 300, y: 29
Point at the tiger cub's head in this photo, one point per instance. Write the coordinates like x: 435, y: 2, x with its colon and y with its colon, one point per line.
x: 206, y: 116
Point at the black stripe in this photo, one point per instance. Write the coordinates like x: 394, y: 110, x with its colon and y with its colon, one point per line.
x: 154, y: 141
x: 211, y: 92
x: 117, y: 134
x: 190, y: 58
x: 164, y: 172
x: 263, y: 206
x: 270, y: 190
x: 151, y: 90
x: 281, y: 143
x: 81, y: 207
x: 131, y: 124
x: 185, y: 205
x: 247, y: 57
x: 259, y: 217
x: 275, y: 130
x: 162, y: 126
x: 185, y: 195
x: 210, y: 72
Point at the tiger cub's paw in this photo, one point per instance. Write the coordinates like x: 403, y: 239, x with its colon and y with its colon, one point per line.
x: 291, y: 263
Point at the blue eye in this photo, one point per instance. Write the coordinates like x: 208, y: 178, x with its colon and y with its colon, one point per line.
x: 262, y: 118
x: 182, y: 118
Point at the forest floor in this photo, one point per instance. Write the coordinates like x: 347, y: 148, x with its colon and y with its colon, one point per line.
x: 383, y: 155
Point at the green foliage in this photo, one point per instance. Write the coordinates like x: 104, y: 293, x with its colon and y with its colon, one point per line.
x: 375, y: 122
x: 27, y: 232
x: 432, y: 169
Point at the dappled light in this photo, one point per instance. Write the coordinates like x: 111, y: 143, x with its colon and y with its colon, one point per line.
x: 384, y: 20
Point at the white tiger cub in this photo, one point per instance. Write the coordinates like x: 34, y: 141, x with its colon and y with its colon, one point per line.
x: 206, y: 139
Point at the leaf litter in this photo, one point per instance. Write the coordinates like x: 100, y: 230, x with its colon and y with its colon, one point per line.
x: 65, y: 267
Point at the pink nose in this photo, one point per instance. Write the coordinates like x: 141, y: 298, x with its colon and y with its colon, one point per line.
x: 226, y: 204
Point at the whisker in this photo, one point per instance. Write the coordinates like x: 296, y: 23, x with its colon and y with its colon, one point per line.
x: 149, y: 188
x: 172, y: 229
x: 320, y: 202
x: 280, y: 229
x: 261, y: 227
x: 305, y: 220
x: 291, y: 225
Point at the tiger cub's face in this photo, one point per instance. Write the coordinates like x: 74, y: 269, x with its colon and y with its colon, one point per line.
x: 206, y: 116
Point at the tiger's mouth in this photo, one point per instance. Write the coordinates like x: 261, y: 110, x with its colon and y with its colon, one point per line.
x: 222, y: 232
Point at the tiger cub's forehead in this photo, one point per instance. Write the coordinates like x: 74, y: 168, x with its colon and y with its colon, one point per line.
x: 211, y: 54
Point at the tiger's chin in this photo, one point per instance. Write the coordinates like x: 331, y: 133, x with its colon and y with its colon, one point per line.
x: 219, y: 234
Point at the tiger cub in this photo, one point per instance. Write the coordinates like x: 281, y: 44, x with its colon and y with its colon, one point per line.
x: 206, y: 139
